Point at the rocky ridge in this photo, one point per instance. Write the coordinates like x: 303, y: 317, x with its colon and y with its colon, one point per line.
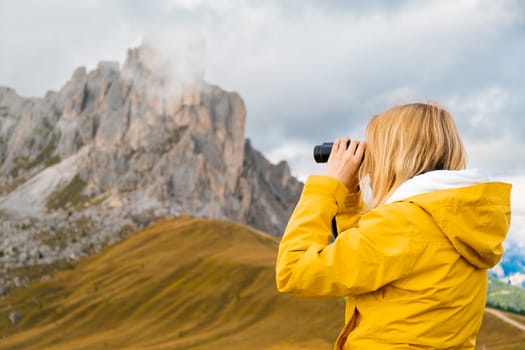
x: 116, y: 148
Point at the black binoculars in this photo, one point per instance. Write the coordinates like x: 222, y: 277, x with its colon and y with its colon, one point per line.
x: 322, y: 152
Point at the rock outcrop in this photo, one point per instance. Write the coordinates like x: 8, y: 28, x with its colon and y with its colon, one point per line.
x: 116, y: 148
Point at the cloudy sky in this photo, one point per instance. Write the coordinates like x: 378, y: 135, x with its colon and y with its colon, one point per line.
x: 308, y: 71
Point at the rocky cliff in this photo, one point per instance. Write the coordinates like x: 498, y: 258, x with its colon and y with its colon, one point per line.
x: 118, y: 147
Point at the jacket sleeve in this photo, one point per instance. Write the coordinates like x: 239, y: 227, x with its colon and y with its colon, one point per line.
x: 362, y: 259
x: 349, y: 211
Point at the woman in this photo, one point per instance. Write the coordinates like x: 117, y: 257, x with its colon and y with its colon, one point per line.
x: 413, y: 263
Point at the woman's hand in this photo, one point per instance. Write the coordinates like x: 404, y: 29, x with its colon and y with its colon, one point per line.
x: 344, y: 162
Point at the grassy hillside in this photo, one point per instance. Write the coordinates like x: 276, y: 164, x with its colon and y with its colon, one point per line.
x: 183, y: 284
x: 180, y: 284
x: 506, y: 297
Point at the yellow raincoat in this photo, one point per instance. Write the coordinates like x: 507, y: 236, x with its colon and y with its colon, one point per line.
x: 414, y: 272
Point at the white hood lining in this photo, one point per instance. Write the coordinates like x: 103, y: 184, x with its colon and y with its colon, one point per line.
x: 437, y: 180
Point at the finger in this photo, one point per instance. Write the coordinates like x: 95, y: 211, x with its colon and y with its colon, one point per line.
x: 345, y: 142
x: 340, y: 145
x: 352, y: 147
x: 360, y: 151
x: 335, y: 146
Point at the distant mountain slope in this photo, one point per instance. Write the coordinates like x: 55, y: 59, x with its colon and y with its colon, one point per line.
x: 506, y: 297
x: 182, y: 284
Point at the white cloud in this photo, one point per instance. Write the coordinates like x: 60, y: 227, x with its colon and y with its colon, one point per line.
x: 517, y: 228
x: 485, y: 110
x: 308, y: 71
x: 300, y: 155
x: 499, y: 155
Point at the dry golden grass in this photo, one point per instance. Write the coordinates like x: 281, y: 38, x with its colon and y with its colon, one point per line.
x: 183, y: 284
x: 498, y: 335
x: 516, y: 317
x: 180, y: 284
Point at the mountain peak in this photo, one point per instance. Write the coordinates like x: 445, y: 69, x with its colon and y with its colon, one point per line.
x: 116, y: 148
x: 168, y: 68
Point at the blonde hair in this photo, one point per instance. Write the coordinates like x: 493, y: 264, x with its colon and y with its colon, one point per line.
x: 406, y: 141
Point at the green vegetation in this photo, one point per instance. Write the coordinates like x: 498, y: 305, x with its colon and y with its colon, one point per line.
x: 171, y: 140
x: 8, y: 187
x: 506, y: 297
x: 61, y: 238
x: 31, y: 143
x: 70, y: 195
x: 177, y: 134
x: 92, y: 201
x: 4, y: 111
x: 45, y: 156
x: 52, y: 161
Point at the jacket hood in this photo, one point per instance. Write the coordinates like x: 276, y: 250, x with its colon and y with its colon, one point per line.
x: 472, y: 212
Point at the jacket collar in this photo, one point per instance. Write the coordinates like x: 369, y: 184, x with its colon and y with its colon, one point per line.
x: 437, y: 180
